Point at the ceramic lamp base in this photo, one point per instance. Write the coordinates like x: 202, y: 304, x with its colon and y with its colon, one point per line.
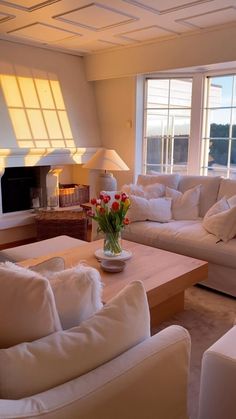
x: 106, y: 182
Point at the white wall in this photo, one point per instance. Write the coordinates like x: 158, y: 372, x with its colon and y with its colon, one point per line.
x: 115, y: 100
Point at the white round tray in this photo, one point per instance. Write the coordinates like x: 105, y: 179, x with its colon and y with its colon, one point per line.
x: 125, y: 255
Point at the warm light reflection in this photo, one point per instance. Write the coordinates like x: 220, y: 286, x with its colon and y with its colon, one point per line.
x: 37, y: 111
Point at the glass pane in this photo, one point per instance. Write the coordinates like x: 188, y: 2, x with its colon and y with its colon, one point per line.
x: 157, y: 93
x: 156, y: 123
x: 220, y: 91
x: 44, y: 93
x: 219, y: 123
x: 28, y: 92
x: 155, y: 150
x: 53, y: 125
x: 218, y: 153
x: 180, y: 150
x: 11, y: 91
x: 180, y: 92
x: 37, y: 124
x: 233, y: 155
x: 150, y: 168
x: 179, y: 125
x: 233, y: 123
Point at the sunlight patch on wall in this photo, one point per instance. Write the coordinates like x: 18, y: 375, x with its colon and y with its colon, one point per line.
x: 37, y: 112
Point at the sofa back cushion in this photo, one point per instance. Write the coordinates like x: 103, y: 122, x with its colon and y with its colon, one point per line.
x: 30, y: 368
x: 227, y: 188
x: 209, y: 189
x: 170, y: 180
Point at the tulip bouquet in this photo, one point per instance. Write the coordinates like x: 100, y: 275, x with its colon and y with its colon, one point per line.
x: 111, y: 219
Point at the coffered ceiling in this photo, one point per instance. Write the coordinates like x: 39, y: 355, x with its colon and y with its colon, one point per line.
x: 84, y: 27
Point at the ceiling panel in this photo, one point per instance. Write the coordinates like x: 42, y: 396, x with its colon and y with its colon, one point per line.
x: 69, y: 25
x: 27, y: 5
x: 165, y: 6
x: 41, y: 32
x: 224, y: 15
x: 144, y: 34
x: 95, y: 17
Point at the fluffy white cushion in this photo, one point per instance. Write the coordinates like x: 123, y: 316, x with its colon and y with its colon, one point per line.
x: 220, y: 219
x: 30, y: 368
x: 156, y: 190
x: 133, y: 189
x: 27, y: 307
x: 185, y: 206
x: 77, y: 293
x: 142, y: 209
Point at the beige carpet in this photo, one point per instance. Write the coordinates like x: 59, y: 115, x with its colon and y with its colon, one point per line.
x: 207, y: 316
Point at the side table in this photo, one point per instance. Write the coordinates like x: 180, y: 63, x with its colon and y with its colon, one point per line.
x: 55, y: 223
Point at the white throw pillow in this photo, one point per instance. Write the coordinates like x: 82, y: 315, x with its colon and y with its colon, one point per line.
x: 220, y: 219
x: 170, y: 180
x: 27, y: 306
x: 30, y: 368
x: 142, y: 209
x: 185, y: 206
x: 77, y: 293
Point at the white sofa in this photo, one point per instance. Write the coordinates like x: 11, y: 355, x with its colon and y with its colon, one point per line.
x: 147, y: 381
x: 189, y: 237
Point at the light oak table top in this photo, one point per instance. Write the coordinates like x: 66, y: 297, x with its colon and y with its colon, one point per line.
x: 165, y: 275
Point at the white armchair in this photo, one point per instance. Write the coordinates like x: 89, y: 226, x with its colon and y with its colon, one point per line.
x: 147, y: 381
x: 218, y: 379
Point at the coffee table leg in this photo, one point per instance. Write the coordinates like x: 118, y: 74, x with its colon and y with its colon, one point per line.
x: 168, y: 308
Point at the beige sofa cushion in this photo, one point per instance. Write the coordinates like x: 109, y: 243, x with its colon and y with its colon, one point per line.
x: 30, y: 368
x: 185, y: 206
x: 170, y: 180
x: 227, y: 188
x: 27, y: 306
x: 209, y: 189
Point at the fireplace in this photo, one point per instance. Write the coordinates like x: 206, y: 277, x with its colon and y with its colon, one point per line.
x: 23, y: 188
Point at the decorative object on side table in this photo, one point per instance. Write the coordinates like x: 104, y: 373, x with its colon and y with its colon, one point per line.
x: 111, y: 219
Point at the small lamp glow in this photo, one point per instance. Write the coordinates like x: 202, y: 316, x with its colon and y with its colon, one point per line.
x: 106, y: 160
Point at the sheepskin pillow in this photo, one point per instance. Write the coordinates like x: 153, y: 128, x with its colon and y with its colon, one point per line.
x: 27, y: 306
x: 155, y: 190
x: 185, y: 206
x: 77, y: 293
x: 77, y: 290
x: 142, y: 209
x: 31, y: 368
x: 220, y: 219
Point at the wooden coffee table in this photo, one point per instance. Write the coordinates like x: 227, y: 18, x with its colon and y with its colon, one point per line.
x: 165, y: 275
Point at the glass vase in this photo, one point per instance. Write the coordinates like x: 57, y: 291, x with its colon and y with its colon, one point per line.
x: 112, y: 244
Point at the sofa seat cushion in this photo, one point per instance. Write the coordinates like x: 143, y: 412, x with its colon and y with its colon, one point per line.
x: 185, y: 237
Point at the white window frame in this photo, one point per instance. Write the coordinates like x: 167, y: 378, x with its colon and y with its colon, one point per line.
x: 195, y: 149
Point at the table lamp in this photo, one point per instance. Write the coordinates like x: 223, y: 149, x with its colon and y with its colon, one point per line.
x: 105, y: 159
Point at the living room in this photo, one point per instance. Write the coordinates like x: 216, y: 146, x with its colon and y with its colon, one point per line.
x: 97, y: 61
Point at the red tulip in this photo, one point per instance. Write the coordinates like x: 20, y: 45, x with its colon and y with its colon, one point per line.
x: 115, y: 206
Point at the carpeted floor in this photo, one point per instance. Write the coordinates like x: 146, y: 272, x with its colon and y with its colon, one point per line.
x: 207, y: 316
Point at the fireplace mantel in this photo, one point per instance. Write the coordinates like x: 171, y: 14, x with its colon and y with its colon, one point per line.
x: 16, y: 157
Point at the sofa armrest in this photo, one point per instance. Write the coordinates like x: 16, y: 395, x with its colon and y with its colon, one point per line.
x: 147, y: 381
x: 218, y: 379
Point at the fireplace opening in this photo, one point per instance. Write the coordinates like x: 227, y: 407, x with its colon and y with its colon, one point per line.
x: 17, y: 185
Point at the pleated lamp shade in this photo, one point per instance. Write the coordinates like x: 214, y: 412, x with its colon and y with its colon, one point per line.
x: 105, y: 159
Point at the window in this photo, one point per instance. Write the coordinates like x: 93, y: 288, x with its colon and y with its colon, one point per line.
x: 167, y: 124
x: 219, y: 129
x: 37, y: 112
